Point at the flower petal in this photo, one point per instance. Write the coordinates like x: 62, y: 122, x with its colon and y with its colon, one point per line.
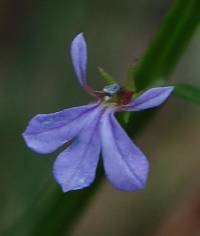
x: 75, y: 167
x: 79, y: 57
x: 47, y: 132
x: 151, y: 98
x: 125, y: 165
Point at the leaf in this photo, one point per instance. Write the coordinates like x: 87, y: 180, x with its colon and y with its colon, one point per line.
x: 169, y: 44
x: 188, y: 92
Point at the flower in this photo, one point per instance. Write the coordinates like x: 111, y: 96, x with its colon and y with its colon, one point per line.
x: 93, y: 129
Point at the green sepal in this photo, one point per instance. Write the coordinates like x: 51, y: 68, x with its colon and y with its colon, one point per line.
x: 106, y: 76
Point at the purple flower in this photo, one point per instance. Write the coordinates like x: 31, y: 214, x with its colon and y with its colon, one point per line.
x: 93, y: 129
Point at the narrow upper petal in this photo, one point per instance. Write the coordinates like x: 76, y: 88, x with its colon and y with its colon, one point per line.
x: 151, y: 98
x: 75, y: 167
x: 79, y: 57
x: 79, y: 61
x: 46, y: 132
x: 125, y: 165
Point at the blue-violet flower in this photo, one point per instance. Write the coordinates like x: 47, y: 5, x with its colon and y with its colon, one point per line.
x: 93, y: 129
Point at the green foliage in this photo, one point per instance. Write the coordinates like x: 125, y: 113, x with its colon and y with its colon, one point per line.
x: 169, y: 44
x: 188, y: 92
x: 53, y: 212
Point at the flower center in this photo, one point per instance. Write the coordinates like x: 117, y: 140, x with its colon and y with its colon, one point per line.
x: 116, y: 95
x: 112, y: 89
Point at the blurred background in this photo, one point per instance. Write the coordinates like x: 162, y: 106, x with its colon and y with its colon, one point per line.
x: 36, y: 76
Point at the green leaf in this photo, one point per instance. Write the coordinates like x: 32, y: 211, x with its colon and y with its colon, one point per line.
x: 188, y: 92
x: 169, y: 44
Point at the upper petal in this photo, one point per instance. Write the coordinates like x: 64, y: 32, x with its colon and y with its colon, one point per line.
x: 75, y: 167
x: 79, y: 61
x: 46, y: 132
x: 79, y: 58
x: 151, y: 98
x: 125, y: 165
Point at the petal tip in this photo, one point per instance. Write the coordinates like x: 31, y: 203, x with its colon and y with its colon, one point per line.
x: 135, y: 185
x: 81, y: 34
x: 169, y: 89
x: 167, y: 92
x: 32, y: 144
x: 79, y: 57
x: 67, y: 187
x: 78, y: 38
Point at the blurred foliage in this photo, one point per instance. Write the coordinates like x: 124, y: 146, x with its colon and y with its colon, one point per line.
x: 188, y: 92
x: 48, y: 213
x: 169, y: 44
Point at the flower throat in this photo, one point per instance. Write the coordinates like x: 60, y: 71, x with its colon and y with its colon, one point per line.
x: 116, y: 95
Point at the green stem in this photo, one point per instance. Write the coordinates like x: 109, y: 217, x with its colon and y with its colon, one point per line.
x: 169, y: 44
